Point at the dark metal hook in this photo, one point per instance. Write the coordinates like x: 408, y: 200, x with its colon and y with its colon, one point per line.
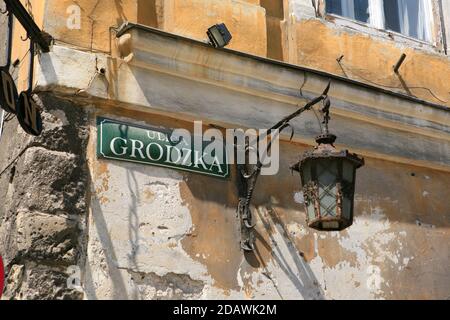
x: 246, y: 175
x: 26, y: 38
x: 326, y: 113
x: 288, y: 125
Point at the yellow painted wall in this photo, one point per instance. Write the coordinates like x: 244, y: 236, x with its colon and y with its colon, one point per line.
x: 246, y: 22
x: 258, y: 27
x: 20, y: 49
x: 245, y: 19
x: 371, y: 60
x: 97, y: 20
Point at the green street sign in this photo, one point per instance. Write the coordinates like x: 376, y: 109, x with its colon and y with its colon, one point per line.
x: 165, y: 148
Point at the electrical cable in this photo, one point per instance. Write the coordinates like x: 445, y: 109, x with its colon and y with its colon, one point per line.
x: 14, y: 160
x: 391, y: 87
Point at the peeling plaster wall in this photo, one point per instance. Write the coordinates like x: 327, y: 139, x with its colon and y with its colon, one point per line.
x: 368, y: 59
x: 160, y: 234
x: 142, y: 232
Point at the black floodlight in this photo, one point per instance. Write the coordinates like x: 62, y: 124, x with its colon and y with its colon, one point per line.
x: 219, y: 35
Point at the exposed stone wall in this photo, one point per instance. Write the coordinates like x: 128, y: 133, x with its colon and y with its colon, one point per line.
x: 43, y: 190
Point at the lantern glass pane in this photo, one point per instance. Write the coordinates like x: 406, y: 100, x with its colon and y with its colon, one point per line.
x: 348, y: 175
x: 306, y: 178
x: 306, y: 172
x: 348, y: 171
x: 327, y: 173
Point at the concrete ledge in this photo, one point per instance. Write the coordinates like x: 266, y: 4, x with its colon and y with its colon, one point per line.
x: 164, y: 73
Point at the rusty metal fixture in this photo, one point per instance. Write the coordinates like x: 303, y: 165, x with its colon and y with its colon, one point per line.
x: 328, y: 180
x: 327, y: 176
x: 247, y: 177
x: 34, y: 33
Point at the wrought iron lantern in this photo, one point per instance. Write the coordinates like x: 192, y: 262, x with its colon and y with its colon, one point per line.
x: 327, y: 176
x: 328, y: 180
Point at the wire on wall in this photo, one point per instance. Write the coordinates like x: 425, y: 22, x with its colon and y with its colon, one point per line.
x: 342, y: 65
x: 16, y: 158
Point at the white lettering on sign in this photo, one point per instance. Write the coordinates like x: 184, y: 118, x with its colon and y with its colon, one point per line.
x: 160, y: 151
x: 170, y: 155
x: 137, y: 145
x: 120, y: 141
x: 113, y: 148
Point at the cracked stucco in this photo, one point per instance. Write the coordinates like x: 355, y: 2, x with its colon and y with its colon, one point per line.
x: 153, y: 228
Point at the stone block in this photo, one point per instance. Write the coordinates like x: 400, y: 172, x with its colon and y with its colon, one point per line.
x: 49, y: 181
x: 43, y: 237
x: 65, y: 125
x: 34, y: 282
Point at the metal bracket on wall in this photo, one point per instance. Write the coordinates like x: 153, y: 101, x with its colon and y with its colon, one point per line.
x: 248, y: 174
x: 34, y: 33
x: 244, y: 212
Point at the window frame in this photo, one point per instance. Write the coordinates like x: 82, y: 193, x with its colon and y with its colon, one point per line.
x: 436, y: 43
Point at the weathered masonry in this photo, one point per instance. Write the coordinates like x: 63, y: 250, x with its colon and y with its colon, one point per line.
x: 79, y: 224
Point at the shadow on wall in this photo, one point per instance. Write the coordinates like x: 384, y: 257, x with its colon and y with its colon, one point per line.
x: 118, y: 289
x: 105, y: 256
x: 275, y: 28
x: 215, y: 235
x: 406, y: 195
x: 212, y: 204
x: 298, y: 272
x: 147, y: 13
x: 221, y: 242
x: 410, y: 199
x: 404, y: 199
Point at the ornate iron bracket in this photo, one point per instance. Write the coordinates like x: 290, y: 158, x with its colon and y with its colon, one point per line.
x: 34, y: 33
x: 248, y: 174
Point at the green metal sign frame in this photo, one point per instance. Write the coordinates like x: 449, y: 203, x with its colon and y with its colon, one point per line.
x: 117, y: 140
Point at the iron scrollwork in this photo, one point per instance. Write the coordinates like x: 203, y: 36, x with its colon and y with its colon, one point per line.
x: 248, y: 175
